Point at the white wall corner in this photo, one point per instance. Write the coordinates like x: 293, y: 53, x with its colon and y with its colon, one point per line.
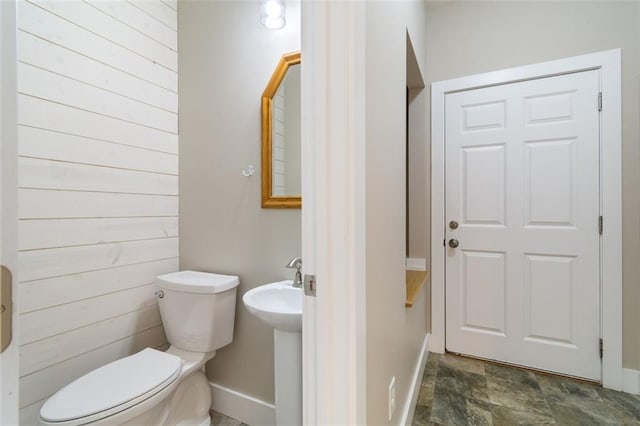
x: 416, y: 264
x: 245, y: 408
x: 414, y: 387
x: 631, y: 381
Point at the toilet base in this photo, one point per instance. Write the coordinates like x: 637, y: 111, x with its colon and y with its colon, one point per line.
x: 191, y: 401
x: 189, y: 404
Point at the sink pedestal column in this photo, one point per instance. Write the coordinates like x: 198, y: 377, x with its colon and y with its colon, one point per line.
x: 288, y: 377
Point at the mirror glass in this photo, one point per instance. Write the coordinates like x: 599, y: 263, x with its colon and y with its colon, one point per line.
x: 281, y: 156
x: 285, y: 136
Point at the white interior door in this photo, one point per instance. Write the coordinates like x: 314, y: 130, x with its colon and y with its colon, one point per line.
x: 522, y: 181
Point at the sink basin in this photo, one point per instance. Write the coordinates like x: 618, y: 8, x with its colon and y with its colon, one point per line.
x: 277, y: 304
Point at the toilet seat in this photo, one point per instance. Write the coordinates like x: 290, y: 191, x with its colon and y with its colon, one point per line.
x: 112, y: 388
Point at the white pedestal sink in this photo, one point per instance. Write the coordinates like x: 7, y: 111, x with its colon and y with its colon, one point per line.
x: 280, y: 306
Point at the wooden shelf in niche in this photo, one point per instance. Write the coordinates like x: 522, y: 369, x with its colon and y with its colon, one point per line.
x: 415, y: 281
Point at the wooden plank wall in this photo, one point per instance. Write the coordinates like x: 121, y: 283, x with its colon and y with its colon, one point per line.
x: 98, y: 184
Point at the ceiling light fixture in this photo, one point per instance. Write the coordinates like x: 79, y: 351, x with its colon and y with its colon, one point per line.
x: 272, y: 14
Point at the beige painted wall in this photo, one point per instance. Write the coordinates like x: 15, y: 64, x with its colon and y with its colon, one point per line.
x: 419, y: 170
x: 394, y: 334
x: 228, y: 60
x: 465, y: 38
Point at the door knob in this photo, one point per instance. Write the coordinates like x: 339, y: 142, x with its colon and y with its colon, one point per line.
x: 453, y: 224
x: 453, y: 243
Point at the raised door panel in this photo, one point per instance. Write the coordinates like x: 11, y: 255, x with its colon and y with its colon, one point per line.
x: 549, y: 108
x: 483, y: 191
x: 483, y: 292
x: 484, y: 116
x: 550, y: 194
x: 549, y: 299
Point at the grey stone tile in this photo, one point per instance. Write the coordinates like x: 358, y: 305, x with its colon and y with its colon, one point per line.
x: 449, y: 408
x: 625, y: 407
x: 525, y: 378
x: 462, y: 363
x: 427, y: 387
x: 422, y: 416
x: 570, y: 414
x: 554, y: 384
x: 479, y: 412
x: 218, y: 419
x: 430, y: 373
x: 431, y: 368
x: 433, y: 359
x: 505, y: 416
x: 512, y: 396
x: 460, y: 398
x: 462, y: 383
x: 516, y: 389
x: 573, y: 401
x: 455, y: 392
x: 425, y: 397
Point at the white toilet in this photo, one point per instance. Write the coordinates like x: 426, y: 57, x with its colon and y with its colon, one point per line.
x: 153, y: 387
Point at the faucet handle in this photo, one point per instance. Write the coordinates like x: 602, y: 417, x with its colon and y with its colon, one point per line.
x: 296, y: 262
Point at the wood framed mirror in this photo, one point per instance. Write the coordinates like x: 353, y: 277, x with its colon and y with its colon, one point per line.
x: 281, y: 182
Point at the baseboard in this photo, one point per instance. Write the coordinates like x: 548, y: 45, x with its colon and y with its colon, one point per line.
x: 416, y: 264
x: 245, y: 408
x: 414, y: 387
x: 631, y: 381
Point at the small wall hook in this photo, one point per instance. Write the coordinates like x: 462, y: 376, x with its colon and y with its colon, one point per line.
x: 249, y: 171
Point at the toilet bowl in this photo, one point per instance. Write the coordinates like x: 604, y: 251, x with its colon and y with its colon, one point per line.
x: 153, y: 387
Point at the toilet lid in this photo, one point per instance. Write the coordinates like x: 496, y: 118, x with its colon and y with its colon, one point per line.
x: 115, y: 384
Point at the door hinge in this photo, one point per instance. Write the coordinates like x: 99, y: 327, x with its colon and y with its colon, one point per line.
x: 601, y: 349
x: 310, y: 285
x: 599, y: 101
x: 600, y: 225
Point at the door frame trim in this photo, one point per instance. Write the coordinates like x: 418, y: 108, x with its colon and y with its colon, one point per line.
x: 333, y: 193
x: 608, y: 63
x: 9, y: 401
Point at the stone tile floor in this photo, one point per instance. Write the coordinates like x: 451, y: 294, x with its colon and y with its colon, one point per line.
x: 218, y: 419
x: 463, y: 391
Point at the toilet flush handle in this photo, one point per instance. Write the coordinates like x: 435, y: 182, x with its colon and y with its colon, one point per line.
x: 160, y: 294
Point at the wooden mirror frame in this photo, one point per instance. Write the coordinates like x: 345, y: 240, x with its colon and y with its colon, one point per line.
x: 268, y: 199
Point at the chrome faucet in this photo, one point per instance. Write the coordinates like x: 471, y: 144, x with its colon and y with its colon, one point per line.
x: 296, y: 263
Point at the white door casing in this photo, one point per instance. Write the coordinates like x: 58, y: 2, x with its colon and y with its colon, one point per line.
x: 8, y: 202
x: 608, y: 66
x: 522, y: 181
x: 333, y: 180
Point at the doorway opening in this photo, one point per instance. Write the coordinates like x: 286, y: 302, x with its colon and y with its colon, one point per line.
x: 606, y: 65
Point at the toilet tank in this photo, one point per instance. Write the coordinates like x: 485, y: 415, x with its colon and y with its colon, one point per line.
x: 197, y: 309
